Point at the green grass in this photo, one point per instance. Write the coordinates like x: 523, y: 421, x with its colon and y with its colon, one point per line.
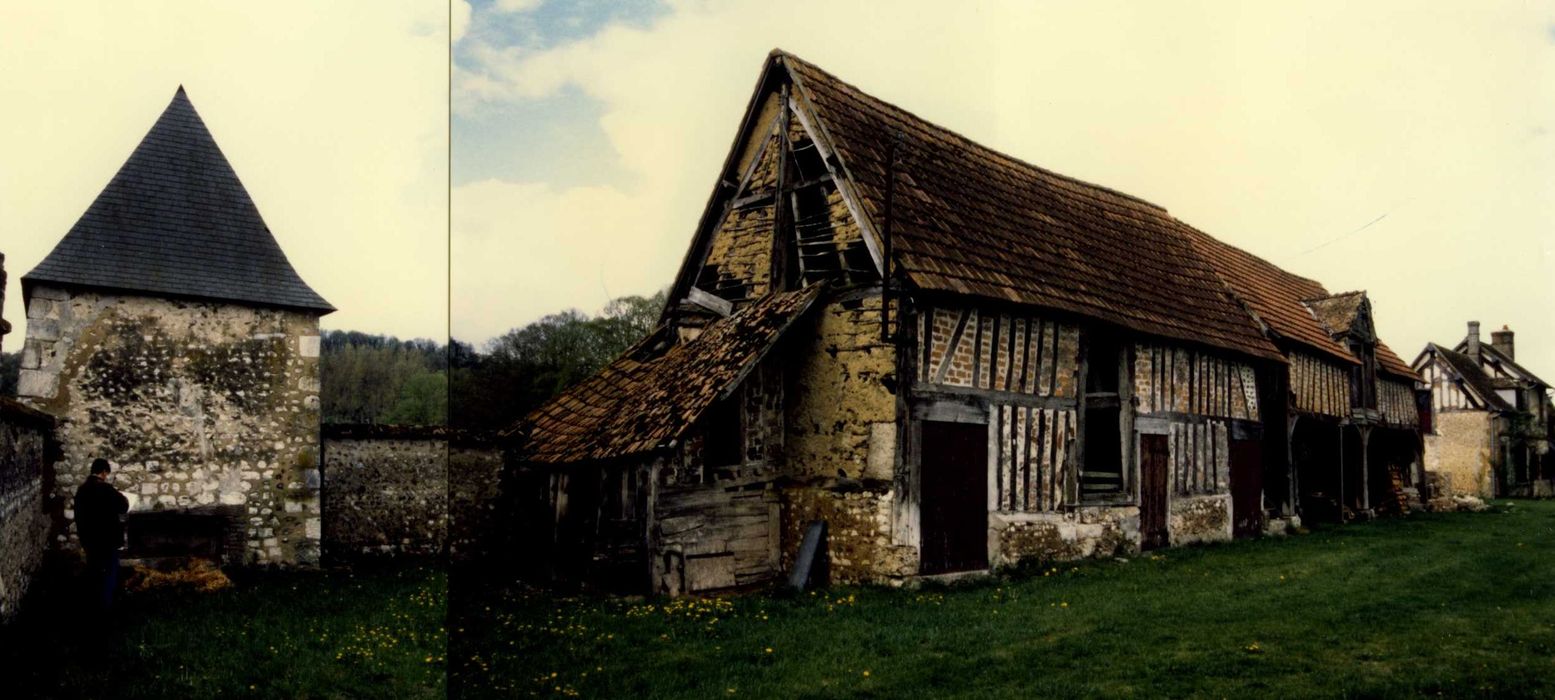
x: 1452, y: 604
x: 377, y: 633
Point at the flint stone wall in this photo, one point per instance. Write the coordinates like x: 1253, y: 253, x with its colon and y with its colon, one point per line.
x: 474, y: 488
x: 24, y: 524
x: 409, y: 490
x: 195, y: 403
x: 385, y: 490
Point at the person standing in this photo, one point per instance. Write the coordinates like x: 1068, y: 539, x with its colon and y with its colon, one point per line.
x: 98, y: 509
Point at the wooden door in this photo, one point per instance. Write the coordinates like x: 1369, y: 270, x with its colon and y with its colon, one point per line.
x: 954, y: 507
x: 1246, y: 488
x: 1153, y: 461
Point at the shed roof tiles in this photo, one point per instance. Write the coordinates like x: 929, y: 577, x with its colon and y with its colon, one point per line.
x: 636, y: 405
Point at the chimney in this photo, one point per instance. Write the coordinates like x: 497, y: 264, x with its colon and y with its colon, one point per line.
x: 1474, y: 339
x: 1502, y: 341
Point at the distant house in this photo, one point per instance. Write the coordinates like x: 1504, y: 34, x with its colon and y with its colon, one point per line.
x: 957, y: 361
x: 1490, y: 428
x: 168, y: 333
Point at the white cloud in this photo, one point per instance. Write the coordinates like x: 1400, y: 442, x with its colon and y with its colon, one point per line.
x: 514, y: 6
x: 460, y: 17
x: 333, y: 114
x: 1274, y: 127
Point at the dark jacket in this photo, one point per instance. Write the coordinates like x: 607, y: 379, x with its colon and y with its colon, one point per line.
x: 98, y: 507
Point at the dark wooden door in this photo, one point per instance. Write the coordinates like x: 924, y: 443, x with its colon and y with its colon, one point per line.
x: 954, y: 507
x: 1246, y: 488
x: 1153, y: 461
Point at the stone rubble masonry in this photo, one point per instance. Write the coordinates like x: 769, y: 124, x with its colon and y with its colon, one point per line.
x: 474, y: 490
x: 1459, y: 452
x: 196, y: 404
x: 24, y: 525
x: 408, y: 490
x: 385, y: 496
x: 841, y: 432
x: 1092, y: 531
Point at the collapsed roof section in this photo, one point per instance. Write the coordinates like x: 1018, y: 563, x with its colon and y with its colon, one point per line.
x: 644, y: 401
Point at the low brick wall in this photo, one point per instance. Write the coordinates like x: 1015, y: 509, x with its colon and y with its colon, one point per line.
x: 407, y: 490
x: 24, y: 523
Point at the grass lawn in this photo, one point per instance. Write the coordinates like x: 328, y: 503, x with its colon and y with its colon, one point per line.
x: 285, y: 634
x: 1451, y: 604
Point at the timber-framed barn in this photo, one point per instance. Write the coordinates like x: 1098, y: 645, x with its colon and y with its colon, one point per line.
x: 957, y: 361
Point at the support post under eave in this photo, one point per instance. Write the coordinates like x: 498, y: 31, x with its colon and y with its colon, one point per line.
x: 1341, y: 472
x: 1365, y: 466
x: 1290, y: 463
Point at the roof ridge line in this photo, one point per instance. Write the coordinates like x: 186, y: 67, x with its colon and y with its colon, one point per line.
x: 1001, y: 155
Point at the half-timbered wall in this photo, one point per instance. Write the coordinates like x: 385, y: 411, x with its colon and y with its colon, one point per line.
x: 1396, y: 400
x: 739, y: 255
x: 1320, y: 387
x: 1171, y: 379
x: 821, y: 239
x: 1446, y: 395
x: 980, y: 350
x: 1020, y: 356
x: 1199, y: 394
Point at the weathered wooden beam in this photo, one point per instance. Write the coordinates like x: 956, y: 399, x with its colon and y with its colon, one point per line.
x: 715, y: 304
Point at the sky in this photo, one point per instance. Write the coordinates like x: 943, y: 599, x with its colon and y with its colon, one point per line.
x: 1403, y: 148
x: 334, y: 116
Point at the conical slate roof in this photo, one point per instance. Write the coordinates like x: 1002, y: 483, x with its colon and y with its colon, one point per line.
x: 176, y: 221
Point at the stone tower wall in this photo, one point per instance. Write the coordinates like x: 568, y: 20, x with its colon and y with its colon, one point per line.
x: 201, y: 406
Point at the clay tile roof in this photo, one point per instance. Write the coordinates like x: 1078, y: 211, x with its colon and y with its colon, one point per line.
x: 969, y: 220
x: 1341, y: 312
x: 1389, y: 362
x: 1273, y: 295
x: 175, y: 220
x: 1338, y: 312
x: 636, y: 406
x: 1473, y: 377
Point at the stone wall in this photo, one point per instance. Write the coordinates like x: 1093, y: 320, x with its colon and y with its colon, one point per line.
x: 841, y: 442
x: 409, y: 490
x: 24, y: 524
x: 1460, y: 452
x: 1092, y: 531
x: 385, y: 490
x: 474, y: 489
x: 197, y: 404
x: 858, y: 527
x: 1193, y: 519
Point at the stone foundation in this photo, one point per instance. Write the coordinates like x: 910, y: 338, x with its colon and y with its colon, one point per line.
x: 1091, y: 531
x: 1193, y: 519
x: 858, y: 523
